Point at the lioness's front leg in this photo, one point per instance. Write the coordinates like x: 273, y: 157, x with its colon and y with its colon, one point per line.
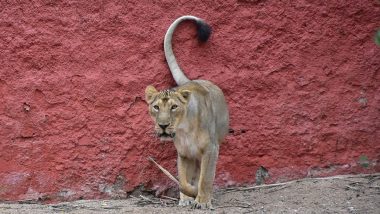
x: 189, y: 167
x: 206, y: 178
x: 185, y: 173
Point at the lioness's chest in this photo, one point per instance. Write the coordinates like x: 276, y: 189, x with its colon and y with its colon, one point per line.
x: 187, y: 147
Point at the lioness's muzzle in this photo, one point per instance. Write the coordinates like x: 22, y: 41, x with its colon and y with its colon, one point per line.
x: 172, y: 135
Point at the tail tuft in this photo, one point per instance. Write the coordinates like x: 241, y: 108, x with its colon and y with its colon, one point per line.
x: 204, y: 30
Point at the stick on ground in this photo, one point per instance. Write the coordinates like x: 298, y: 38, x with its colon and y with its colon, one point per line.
x: 304, y: 179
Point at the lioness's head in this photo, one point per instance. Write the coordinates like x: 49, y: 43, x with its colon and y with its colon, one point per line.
x: 167, y: 108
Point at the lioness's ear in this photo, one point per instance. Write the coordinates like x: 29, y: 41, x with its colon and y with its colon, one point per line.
x: 150, y: 91
x: 184, y: 95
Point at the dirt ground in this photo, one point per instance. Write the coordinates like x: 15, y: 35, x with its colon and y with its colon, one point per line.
x: 340, y: 194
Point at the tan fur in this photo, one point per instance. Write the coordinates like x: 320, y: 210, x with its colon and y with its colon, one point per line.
x: 195, y: 116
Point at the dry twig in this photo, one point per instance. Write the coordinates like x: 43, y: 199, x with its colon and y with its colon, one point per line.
x: 149, y: 200
x: 258, y: 187
x: 170, y: 198
x: 343, y: 177
x: 232, y: 205
x: 351, y: 187
x: 166, y: 172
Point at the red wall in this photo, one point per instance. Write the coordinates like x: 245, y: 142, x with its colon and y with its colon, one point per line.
x: 301, y: 79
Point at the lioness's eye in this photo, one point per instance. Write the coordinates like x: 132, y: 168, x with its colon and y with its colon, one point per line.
x: 174, y: 107
x: 156, y: 107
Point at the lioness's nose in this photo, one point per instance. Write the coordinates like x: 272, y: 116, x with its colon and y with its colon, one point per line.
x: 163, y: 127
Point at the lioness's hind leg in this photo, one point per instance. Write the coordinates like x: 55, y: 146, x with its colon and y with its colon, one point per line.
x: 193, y: 168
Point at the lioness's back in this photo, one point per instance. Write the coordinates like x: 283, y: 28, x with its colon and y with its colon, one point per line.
x: 218, y: 106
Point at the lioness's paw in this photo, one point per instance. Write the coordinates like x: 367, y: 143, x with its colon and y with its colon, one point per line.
x: 186, y: 202
x: 198, y: 205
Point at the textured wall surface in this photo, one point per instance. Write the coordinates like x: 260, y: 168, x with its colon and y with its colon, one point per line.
x: 301, y: 79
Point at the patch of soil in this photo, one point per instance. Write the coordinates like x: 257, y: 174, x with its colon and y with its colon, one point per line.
x: 340, y: 194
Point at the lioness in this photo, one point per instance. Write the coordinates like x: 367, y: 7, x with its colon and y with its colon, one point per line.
x: 195, y: 116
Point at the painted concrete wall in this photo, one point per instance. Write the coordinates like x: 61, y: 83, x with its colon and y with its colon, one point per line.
x: 301, y: 79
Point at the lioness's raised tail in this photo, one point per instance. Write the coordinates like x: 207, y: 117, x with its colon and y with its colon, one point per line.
x: 204, y: 32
